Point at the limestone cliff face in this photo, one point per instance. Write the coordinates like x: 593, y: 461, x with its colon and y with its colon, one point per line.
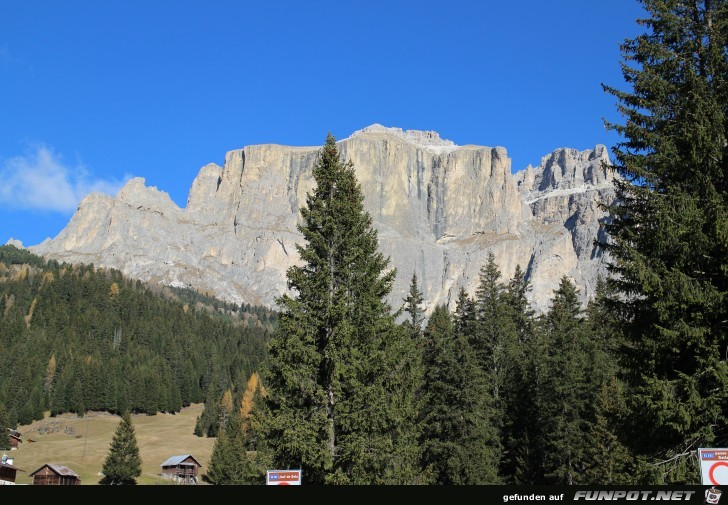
x: 439, y: 209
x: 567, y: 190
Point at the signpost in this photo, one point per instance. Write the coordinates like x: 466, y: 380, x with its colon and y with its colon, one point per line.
x: 283, y: 478
x: 714, y: 466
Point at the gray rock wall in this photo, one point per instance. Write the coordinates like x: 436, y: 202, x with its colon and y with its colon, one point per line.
x: 439, y: 208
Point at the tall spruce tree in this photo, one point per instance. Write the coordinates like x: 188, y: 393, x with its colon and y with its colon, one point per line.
x: 340, y: 379
x: 605, y: 328
x: 607, y: 460
x: 460, y: 445
x: 669, y: 232
x: 520, y: 460
x: 221, y: 469
x: 495, y: 343
x: 522, y: 314
x: 464, y: 318
x: 230, y: 463
x: 123, y: 464
x: 563, y: 399
x: 413, y: 307
x: 413, y: 327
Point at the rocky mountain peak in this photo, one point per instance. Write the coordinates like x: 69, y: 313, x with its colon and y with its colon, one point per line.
x: 416, y: 137
x: 14, y: 242
x: 136, y: 193
x: 566, y: 169
x: 568, y: 188
x: 439, y: 209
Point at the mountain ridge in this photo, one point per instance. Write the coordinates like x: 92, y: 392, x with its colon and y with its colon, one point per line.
x: 438, y: 207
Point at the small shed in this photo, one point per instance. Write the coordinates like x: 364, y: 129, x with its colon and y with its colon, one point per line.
x: 14, y: 436
x: 8, y: 471
x: 181, y: 468
x: 55, y: 475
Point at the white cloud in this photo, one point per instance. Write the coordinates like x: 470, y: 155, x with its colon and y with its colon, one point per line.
x: 42, y: 181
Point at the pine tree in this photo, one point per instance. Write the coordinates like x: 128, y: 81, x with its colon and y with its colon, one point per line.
x: 521, y: 458
x: 4, y: 425
x: 669, y: 232
x: 413, y: 327
x: 229, y: 459
x: 123, y: 463
x: 495, y: 338
x: 413, y: 307
x: 220, y: 470
x: 460, y: 445
x: 495, y: 343
x: 563, y: 400
x: 522, y: 315
x: 464, y: 318
x: 76, y: 398
x: 12, y: 417
x: 605, y: 336
x: 607, y: 460
x: 340, y: 380
x: 199, y: 430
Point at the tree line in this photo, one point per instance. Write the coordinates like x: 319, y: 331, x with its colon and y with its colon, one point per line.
x: 490, y: 394
x: 78, y: 338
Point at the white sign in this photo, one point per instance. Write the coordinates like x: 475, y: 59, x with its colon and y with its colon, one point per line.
x: 714, y: 466
x: 283, y: 477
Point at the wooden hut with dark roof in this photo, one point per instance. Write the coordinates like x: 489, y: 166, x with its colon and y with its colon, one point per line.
x: 14, y: 436
x: 55, y: 475
x: 8, y: 471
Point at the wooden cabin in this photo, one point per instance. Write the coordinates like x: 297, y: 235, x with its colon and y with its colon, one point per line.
x: 182, y: 468
x: 14, y: 436
x: 55, y: 475
x: 8, y: 471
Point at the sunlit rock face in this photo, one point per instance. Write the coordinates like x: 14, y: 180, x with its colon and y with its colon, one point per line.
x: 439, y: 209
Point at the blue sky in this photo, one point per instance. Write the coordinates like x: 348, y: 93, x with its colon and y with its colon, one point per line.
x: 93, y: 92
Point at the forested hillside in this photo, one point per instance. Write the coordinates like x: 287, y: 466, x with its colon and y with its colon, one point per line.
x: 76, y: 338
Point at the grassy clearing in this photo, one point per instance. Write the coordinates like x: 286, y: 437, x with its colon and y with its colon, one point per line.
x: 82, y: 443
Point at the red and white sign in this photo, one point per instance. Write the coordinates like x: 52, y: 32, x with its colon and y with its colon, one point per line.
x: 283, y: 477
x: 714, y: 466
